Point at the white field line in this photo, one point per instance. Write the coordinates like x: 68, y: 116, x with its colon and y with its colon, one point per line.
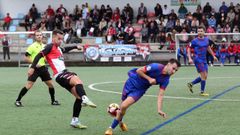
x: 92, y: 87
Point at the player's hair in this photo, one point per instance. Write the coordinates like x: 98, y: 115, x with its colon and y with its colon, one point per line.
x: 172, y: 61
x: 55, y: 32
x: 201, y: 27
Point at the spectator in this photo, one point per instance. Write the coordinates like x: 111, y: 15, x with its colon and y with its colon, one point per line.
x: 207, y: 9
x: 182, y: 52
x: 28, y: 21
x: 162, y: 39
x: 101, y: 12
x: 109, y: 13
x: 158, y: 10
x: 236, y: 38
x: 79, y: 27
x: 62, y: 10
x: 231, y: 15
x: 212, y: 21
x: 223, y: 53
x: 166, y: 11
x: 231, y: 50
x: 223, y: 8
x: 111, y: 34
x: 102, y: 26
x: 178, y: 26
x: 34, y: 13
x: 120, y: 25
x: 50, y: 11
x: 182, y: 11
x: 129, y: 38
x: 152, y: 32
x: 116, y: 16
x: 144, y: 33
x: 142, y: 12
x: 120, y: 38
x: 5, y: 44
x: 76, y: 11
x: 7, y: 20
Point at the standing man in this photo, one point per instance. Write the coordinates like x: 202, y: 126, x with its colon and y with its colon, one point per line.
x: 40, y: 71
x: 138, y: 83
x: 5, y: 44
x: 200, y: 45
x: 68, y: 80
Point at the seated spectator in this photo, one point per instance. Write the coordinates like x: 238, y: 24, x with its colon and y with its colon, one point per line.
x: 207, y: 9
x: 102, y: 26
x: 110, y: 34
x: 142, y: 12
x: 34, y: 13
x: 223, y: 8
x: 120, y: 38
x: 120, y: 25
x: 223, y: 54
x: 129, y: 38
x: 231, y: 50
x: 50, y: 11
x: 115, y: 16
x: 28, y: 21
x: 144, y: 33
x: 212, y: 21
x: 158, y: 10
x: 76, y: 11
x: 7, y: 21
x: 166, y: 11
x: 182, y: 52
x: 79, y: 27
x: 182, y: 11
x: 178, y: 26
x: 152, y: 32
x: 62, y: 10
x: 162, y: 39
x: 236, y: 38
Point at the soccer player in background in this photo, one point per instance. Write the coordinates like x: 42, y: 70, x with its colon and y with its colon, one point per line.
x: 68, y: 80
x: 40, y: 70
x: 200, y: 45
x: 138, y: 83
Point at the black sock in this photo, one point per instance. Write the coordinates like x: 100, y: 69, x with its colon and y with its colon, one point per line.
x: 77, y: 107
x: 22, y: 93
x: 52, y: 94
x: 80, y: 90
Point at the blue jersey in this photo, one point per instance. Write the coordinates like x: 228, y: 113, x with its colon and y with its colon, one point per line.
x: 200, y: 49
x: 153, y: 70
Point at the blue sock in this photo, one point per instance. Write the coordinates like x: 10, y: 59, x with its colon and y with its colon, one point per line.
x: 203, y: 83
x: 114, y: 123
x: 197, y: 80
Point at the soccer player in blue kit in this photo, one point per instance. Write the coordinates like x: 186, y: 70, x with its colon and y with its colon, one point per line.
x: 140, y: 79
x: 200, y: 45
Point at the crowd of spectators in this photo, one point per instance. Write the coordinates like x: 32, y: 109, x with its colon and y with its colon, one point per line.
x: 124, y: 26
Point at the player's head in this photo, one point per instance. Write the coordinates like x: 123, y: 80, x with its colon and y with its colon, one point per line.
x: 172, y: 66
x: 201, y: 31
x: 38, y: 36
x: 57, y: 37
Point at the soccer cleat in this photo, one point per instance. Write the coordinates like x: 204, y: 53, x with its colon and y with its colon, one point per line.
x: 190, y: 87
x: 109, y: 131
x: 204, y: 94
x: 55, y: 103
x: 18, y: 104
x: 77, y: 124
x: 87, y: 102
x: 123, y: 127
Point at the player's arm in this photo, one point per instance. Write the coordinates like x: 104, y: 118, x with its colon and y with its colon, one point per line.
x: 189, y: 55
x: 41, y: 54
x: 27, y: 58
x: 160, y: 103
x: 211, y: 52
x: 142, y: 72
x: 69, y: 48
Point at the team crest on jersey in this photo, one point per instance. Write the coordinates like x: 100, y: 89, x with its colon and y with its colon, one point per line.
x: 148, y: 68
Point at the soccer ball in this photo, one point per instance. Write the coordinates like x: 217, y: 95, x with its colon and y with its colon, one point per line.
x: 112, y: 109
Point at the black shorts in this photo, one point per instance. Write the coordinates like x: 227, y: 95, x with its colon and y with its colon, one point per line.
x: 41, y: 72
x: 63, y: 79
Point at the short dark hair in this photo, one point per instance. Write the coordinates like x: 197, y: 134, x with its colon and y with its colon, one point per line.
x: 55, y: 32
x: 201, y: 27
x: 172, y: 61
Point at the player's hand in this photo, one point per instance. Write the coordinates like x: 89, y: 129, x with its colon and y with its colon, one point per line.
x: 215, y: 58
x: 30, y: 71
x: 152, y: 81
x: 79, y: 47
x: 190, y: 61
x: 163, y: 114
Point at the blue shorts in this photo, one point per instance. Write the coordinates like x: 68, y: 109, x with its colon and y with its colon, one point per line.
x: 201, y: 66
x: 129, y: 90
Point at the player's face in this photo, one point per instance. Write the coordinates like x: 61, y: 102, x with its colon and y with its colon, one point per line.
x: 172, y: 68
x: 38, y: 36
x: 200, y: 33
x: 59, y: 39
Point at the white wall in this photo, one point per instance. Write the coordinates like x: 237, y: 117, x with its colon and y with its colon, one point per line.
x: 22, y: 6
